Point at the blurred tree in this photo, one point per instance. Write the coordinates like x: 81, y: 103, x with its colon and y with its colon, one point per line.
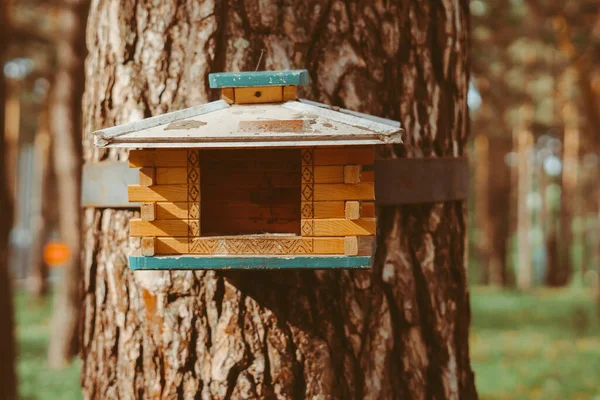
x: 37, y: 281
x: 8, y: 382
x: 524, y: 140
x: 66, y: 124
x: 399, y: 330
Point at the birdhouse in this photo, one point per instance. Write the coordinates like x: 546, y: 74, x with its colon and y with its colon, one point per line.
x: 258, y: 179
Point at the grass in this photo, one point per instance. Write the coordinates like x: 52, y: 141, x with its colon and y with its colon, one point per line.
x: 540, y: 345
x: 36, y: 381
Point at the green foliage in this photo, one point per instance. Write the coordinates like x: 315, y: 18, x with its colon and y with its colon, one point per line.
x: 36, y: 381
x: 540, y: 345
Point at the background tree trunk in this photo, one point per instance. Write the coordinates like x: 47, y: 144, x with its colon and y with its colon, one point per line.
x: 37, y: 281
x: 65, y: 121
x: 399, y: 330
x: 499, y: 205
x: 568, y: 196
x: 11, y: 127
x: 8, y: 381
x: 524, y: 140
x: 482, y: 205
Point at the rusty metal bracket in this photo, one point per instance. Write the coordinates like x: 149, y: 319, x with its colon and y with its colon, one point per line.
x: 421, y: 180
x: 104, y: 184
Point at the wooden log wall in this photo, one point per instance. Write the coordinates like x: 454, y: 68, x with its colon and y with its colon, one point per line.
x: 342, y: 206
x: 337, y: 212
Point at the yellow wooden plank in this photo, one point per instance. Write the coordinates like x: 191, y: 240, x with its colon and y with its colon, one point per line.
x: 157, y: 158
x: 289, y: 93
x: 333, y: 245
x: 249, y: 245
x: 341, y: 191
x: 351, y: 245
x: 139, y: 228
x: 148, y: 211
x: 171, y: 175
x: 351, y: 173
x: 352, y: 210
x: 323, y: 209
x: 344, y: 155
x: 169, y: 193
x: 175, y: 210
x: 148, y: 246
x: 228, y: 94
x: 367, y: 209
x: 338, y: 227
x: 266, y: 94
x: 147, y: 176
x: 329, y: 174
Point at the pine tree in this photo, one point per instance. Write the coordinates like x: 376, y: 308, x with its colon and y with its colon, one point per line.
x: 399, y: 330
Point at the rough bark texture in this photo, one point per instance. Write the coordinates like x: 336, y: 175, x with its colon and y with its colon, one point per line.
x: 8, y: 382
x: 397, y: 331
x: 65, y: 123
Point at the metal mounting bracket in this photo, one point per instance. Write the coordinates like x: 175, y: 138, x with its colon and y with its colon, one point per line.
x: 401, y: 181
x: 104, y: 184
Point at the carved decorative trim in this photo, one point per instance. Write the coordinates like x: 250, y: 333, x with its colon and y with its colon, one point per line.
x: 193, y: 196
x: 277, y: 246
x: 307, y: 192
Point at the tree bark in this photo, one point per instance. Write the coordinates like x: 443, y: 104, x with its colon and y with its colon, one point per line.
x: 399, y: 330
x: 8, y: 381
x: 65, y: 122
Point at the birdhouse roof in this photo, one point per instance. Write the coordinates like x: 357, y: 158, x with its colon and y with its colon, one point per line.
x: 221, y: 125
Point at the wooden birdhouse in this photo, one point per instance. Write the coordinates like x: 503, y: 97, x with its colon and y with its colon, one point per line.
x: 258, y: 179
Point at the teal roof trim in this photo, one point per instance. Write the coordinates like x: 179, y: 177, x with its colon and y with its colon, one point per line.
x: 258, y: 78
x: 185, y: 262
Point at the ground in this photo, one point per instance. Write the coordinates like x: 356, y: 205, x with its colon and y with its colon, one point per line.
x: 36, y: 382
x: 540, y: 345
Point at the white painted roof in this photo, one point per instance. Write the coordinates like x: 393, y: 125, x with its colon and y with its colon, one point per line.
x: 220, y: 125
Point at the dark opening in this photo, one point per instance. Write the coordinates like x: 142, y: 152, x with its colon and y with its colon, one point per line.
x: 250, y: 191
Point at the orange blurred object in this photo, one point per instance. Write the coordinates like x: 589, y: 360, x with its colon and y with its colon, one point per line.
x: 56, y: 254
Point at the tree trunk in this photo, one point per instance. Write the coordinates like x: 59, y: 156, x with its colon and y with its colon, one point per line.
x: 8, y: 381
x: 499, y: 205
x: 568, y: 197
x: 525, y: 145
x: 399, y: 330
x: 482, y: 202
x: 12, y: 127
x: 37, y: 281
x: 65, y: 122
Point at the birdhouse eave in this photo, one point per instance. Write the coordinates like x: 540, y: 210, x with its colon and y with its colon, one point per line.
x: 221, y: 125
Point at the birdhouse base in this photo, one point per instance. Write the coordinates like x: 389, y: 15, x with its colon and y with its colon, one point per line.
x: 187, y: 262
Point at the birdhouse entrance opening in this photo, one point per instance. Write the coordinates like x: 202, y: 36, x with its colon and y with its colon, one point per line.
x: 250, y: 192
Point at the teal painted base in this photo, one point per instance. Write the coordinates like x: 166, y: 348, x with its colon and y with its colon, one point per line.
x: 249, y: 262
x: 258, y: 78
